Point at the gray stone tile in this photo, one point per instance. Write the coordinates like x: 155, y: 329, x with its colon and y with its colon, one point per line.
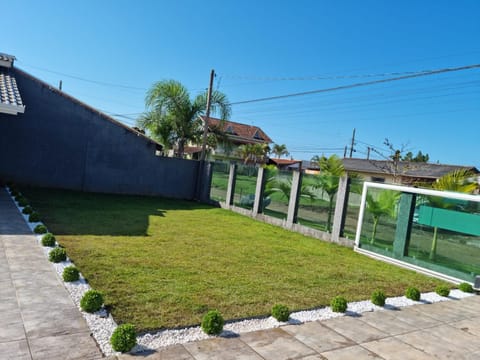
x: 221, y: 349
x: 43, y: 299
x: 352, y: 352
x: 447, y: 311
x: 15, y: 350
x: 457, y: 337
x: 386, y: 322
x: 11, y: 326
x: 175, y: 352
x: 470, y: 326
x: 276, y: 344
x: 64, y: 347
x: 354, y: 329
x: 57, y: 321
x: 416, y: 319
x: 394, y: 349
x: 317, y: 336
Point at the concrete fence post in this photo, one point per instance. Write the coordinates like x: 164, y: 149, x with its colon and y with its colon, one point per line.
x: 294, y: 198
x: 406, y: 209
x: 231, y: 185
x: 258, y: 203
x: 341, y: 207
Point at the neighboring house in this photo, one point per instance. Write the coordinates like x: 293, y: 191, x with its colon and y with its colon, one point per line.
x: 285, y: 164
x: 236, y: 134
x: 406, y: 173
x: 48, y: 138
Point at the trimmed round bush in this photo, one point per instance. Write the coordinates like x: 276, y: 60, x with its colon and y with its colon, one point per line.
x: 212, y: 322
x: 124, y: 338
x: 412, y: 293
x: 280, y: 312
x: 378, y: 298
x: 91, y: 301
x: 70, y: 273
x: 339, y: 304
x: 466, y: 287
x: 40, y: 229
x: 23, y: 202
x: 18, y: 197
x: 13, y: 191
x: 34, y: 217
x: 57, y: 255
x: 442, y: 290
x: 48, y: 240
x: 27, y: 210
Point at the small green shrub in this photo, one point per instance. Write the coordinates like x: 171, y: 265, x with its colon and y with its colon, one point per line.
x: 442, y: 290
x: 48, y: 239
x: 339, y: 304
x: 378, y: 298
x: 22, y: 202
x: 91, y: 301
x: 57, y: 255
x: 280, y: 312
x: 412, y: 293
x: 13, y: 191
x: 70, y: 273
x: 27, y: 210
x: 124, y: 338
x: 466, y: 287
x: 18, y: 197
x: 212, y: 322
x: 40, y: 229
x: 34, y: 217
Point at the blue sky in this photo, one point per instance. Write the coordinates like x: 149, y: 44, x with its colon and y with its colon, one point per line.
x: 108, y: 53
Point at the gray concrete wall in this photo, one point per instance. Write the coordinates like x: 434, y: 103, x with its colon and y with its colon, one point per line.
x: 60, y: 142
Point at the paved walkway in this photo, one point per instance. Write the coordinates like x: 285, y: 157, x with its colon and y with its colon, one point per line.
x: 38, y: 319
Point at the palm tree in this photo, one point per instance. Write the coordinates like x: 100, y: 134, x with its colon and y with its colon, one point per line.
x: 384, y: 204
x: 280, y: 150
x: 459, y: 181
x: 331, y: 169
x: 253, y: 153
x: 173, y: 118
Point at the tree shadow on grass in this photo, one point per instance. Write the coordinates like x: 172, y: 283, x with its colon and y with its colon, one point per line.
x: 67, y: 212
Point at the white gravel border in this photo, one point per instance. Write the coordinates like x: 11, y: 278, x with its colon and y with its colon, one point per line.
x: 102, y: 324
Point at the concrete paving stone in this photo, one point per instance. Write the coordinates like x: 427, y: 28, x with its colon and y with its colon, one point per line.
x: 221, y: 349
x: 174, y: 352
x: 471, y: 326
x: 11, y: 325
x: 430, y: 344
x: 394, y: 349
x: 38, y: 280
x: 318, y: 337
x: 15, y: 350
x: 19, y: 266
x: 48, y: 298
x: 276, y: 344
x: 57, y: 321
x: 447, y: 311
x: 312, y: 357
x: 354, y: 329
x: 64, y: 347
x: 416, y: 319
x: 456, y: 337
x: 386, y: 322
x: 352, y: 352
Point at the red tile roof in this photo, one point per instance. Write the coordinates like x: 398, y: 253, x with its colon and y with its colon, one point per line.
x: 240, y: 132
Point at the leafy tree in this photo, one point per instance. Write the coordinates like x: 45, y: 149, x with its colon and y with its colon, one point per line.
x: 419, y: 158
x: 253, y: 153
x: 384, y: 204
x: 173, y: 118
x: 280, y: 150
x: 331, y: 169
x: 460, y: 181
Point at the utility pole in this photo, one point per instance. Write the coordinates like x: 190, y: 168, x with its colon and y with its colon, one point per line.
x: 368, y: 153
x: 345, y: 152
x: 353, y: 143
x: 207, y: 116
x: 60, y: 85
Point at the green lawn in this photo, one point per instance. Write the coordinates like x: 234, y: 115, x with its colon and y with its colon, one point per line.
x: 163, y: 263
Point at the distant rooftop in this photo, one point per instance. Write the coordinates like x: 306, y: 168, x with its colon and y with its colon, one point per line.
x: 247, y: 133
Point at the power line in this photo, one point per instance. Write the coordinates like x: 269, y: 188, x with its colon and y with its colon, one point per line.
x: 367, y: 83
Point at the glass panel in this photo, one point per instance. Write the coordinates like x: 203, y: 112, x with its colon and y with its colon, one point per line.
x: 245, y: 185
x: 218, y: 190
x: 277, y: 192
x: 353, y: 208
x: 314, y: 207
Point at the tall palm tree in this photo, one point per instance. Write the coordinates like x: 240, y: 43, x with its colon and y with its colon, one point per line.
x: 253, y: 153
x: 331, y: 169
x: 459, y: 181
x: 173, y: 118
x: 280, y: 150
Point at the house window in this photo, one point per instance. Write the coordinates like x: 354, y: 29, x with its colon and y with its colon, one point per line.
x: 257, y: 136
x: 378, y: 179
